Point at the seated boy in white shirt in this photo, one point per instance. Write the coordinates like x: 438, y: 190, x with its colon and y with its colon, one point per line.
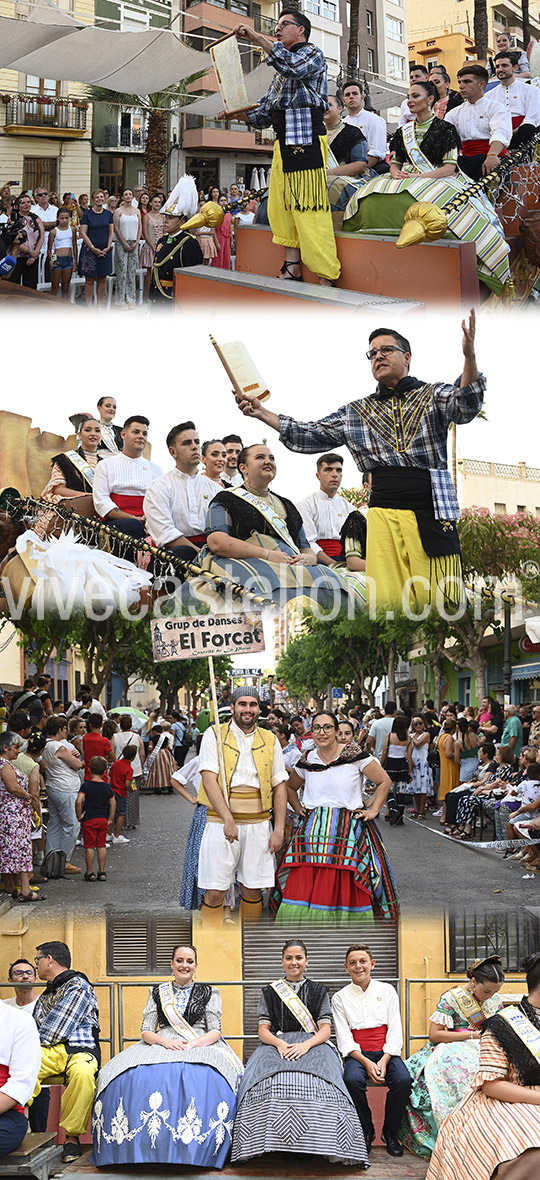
x: 370, y: 1040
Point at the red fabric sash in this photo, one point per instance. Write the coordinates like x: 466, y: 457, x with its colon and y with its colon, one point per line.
x: 477, y: 147
x: 517, y: 120
x: 198, y: 539
x: 133, y: 505
x: 370, y: 1040
x: 4, y: 1077
x: 330, y: 545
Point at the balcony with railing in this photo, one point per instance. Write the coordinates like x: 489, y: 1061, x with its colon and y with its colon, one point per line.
x: 114, y: 138
x: 203, y: 132
x: 45, y: 115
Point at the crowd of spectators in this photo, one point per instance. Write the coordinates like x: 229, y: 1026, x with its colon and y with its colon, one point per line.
x: 72, y: 776
x: 100, y: 234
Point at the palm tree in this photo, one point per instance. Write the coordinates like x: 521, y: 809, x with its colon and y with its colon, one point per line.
x: 156, y: 109
x: 354, y: 36
x: 481, y: 29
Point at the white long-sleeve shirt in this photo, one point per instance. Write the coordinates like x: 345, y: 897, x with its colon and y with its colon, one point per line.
x: 353, y: 1007
x: 20, y: 1051
x: 405, y: 114
x: 323, y: 516
x: 176, y: 504
x: 485, y: 119
x: 520, y: 99
x: 122, y: 476
x: 374, y: 129
x: 245, y: 774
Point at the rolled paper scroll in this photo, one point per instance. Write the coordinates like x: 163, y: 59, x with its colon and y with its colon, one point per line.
x: 238, y: 365
x: 227, y: 63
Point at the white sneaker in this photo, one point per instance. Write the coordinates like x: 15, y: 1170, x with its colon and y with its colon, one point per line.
x: 437, y: 814
x: 120, y: 840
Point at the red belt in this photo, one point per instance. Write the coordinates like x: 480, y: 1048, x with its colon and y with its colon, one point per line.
x: 477, y: 147
x: 370, y: 1040
x: 4, y: 1077
x: 331, y: 546
x: 517, y: 120
x: 133, y: 505
x: 198, y: 539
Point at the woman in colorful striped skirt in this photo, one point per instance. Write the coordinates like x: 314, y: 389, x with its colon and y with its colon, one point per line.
x: 292, y: 1096
x: 335, y: 868
x: 495, y: 1129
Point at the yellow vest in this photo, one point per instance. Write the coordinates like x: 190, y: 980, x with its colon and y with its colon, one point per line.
x: 263, y: 757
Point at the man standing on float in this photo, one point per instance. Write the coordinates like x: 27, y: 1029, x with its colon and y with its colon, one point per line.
x: 398, y: 435
x: 294, y: 105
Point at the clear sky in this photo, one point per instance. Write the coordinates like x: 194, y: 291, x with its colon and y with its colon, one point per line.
x: 165, y: 367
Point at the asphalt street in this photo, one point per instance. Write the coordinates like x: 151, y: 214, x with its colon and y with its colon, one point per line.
x: 432, y: 872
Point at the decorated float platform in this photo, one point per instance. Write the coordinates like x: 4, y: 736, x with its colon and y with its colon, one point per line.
x: 374, y: 271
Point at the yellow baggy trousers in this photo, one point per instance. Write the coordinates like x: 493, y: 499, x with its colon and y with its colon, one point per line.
x: 78, y: 1073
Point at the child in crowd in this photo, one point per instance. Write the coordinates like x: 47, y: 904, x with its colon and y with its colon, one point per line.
x: 122, y: 781
x: 62, y: 252
x: 96, y: 808
x: 94, y: 744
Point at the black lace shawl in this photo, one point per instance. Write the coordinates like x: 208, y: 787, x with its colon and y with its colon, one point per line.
x: 519, y: 1056
x: 194, y: 1013
x: 347, y: 139
x: 71, y: 474
x: 439, y: 139
x: 312, y: 994
x: 246, y: 519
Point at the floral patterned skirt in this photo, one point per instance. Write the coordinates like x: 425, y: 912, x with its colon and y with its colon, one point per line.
x: 168, y: 1113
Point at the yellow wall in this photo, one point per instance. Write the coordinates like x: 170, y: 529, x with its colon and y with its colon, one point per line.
x: 451, y: 50
x: 219, y: 958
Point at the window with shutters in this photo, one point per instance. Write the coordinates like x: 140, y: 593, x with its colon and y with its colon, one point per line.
x: 261, y: 956
x: 142, y: 945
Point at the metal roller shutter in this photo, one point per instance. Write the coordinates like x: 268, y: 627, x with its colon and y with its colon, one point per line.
x: 261, y: 957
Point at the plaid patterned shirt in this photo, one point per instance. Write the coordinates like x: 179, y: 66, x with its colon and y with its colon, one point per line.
x: 300, y: 82
x: 68, y: 1014
x: 406, y: 429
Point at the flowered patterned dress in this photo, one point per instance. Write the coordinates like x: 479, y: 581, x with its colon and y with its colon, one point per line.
x: 15, y: 826
x: 441, y: 1076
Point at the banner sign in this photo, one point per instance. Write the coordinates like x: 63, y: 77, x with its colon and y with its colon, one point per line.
x: 207, y: 635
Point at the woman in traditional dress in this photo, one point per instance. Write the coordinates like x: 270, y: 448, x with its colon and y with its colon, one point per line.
x: 335, y: 868
x: 171, y: 1098
x: 214, y: 458
x: 443, y: 1070
x: 421, y: 784
x: 424, y: 168
x: 72, y: 475
x: 152, y: 231
x: 160, y: 764
x: 258, y: 539
x: 494, y: 1131
x: 292, y: 1096
x: 447, y: 98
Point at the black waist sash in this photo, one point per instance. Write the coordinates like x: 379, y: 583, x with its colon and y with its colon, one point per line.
x: 410, y: 488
